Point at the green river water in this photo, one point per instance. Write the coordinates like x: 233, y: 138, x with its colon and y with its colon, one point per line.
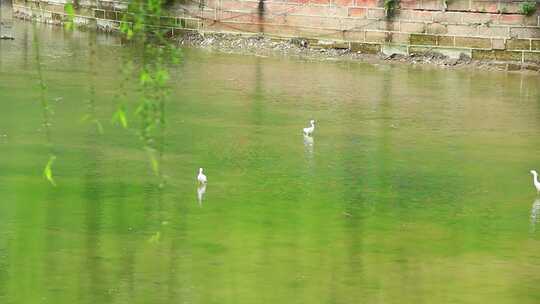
x: 415, y: 188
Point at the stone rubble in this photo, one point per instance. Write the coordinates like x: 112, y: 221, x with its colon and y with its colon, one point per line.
x: 260, y: 45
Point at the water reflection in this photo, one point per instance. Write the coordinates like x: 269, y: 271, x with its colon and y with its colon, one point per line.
x: 376, y: 213
x: 92, y: 73
x: 535, y: 210
x: 308, y: 145
x: 201, y: 190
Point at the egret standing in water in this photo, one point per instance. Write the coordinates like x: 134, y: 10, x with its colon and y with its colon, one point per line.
x: 535, y: 181
x: 201, y: 177
x: 309, y: 130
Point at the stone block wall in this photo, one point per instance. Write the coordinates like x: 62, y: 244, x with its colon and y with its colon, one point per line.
x: 487, y: 29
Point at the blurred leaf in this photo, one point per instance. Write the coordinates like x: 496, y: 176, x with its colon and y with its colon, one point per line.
x: 155, y: 238
x: 99, y: 126
x: 154, y: 163
x: 140, y: 109
x: 47, y: 172
x: 162, y: 76
x: 70, y: 15
x: 120, y: 116
x: 85, y: 117
x: 69, y: 9
x: 144, y: 77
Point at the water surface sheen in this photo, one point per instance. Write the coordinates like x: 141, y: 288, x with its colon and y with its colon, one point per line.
x: 415, y: 188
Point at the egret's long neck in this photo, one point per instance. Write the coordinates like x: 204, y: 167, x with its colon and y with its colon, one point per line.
x: 535, y: 178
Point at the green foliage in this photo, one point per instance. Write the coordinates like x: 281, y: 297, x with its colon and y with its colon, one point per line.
x: 91, y: 103
x: 120, y: 117
x: 91, y: 118
x: 528, y: 8
x: 144, y: 27
x: 154, y: 161
x: 155, y: 238
x: 390, y: 7
x: 70, y: 15
x: 47, y: 172
x: 44, y: 103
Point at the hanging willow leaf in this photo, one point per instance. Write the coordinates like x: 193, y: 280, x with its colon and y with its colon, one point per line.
x: 120, y: 117
x: 162, y: 76
x: 99, y: 126
x: 47, y: 172
x: 70, y: 15
x: 125, y: 27
x: 145, y: 78
x: 130, y: 33
x: 154, y: 163
x: 86, y: 117
x: 155, y: 238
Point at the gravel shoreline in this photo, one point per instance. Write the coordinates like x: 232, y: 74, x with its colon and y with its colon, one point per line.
x: 310, y: 49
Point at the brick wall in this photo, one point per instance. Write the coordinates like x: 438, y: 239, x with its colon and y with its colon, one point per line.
x: 488, y: 30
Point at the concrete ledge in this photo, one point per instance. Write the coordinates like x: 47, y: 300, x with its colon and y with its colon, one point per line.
x: 518, y: 44
x: 473, y: 42
x: 366, y: 48
x: 497, y: 55
x: 531, y: 57
x: 454, y: 53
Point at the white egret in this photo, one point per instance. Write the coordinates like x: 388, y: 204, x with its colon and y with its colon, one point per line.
x: 309, y: 130
x: 535, y: 181
x: 201, y: 177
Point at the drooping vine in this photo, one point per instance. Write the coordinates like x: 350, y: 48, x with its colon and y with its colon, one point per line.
x: 142, y: 27
x: 528, y: 8
x: 390, y: 8
x: 45, y: 109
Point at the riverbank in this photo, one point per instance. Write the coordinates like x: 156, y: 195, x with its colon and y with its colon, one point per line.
x: 493, y: 35
x: 320, y: 50
x: 310, y: 49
